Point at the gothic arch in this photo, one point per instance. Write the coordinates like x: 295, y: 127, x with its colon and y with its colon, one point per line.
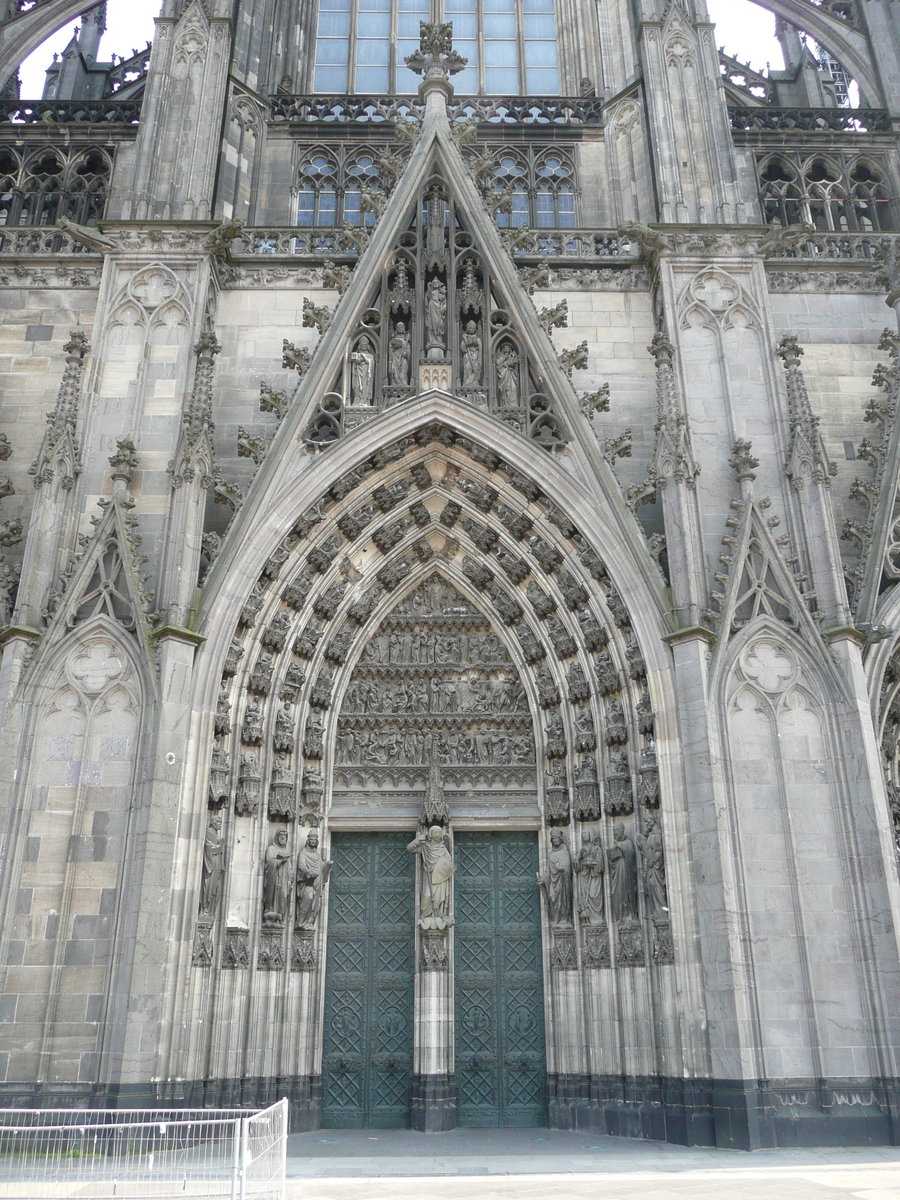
x: 84, y: 705
x: 417, y: 493
x: 787, y: 753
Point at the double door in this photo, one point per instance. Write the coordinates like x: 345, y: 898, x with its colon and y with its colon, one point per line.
x: 368, y: 1037
x: 500, y: 1056
x: 369, y: 982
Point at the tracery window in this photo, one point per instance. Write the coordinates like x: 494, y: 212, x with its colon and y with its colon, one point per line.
x: 331, y: 186
x: 40, y: 185
x: 537, y: 186
x: 837, y: 193
x: 510, y: 44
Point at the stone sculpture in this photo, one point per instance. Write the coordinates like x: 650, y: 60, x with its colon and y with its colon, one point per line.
x: 507, y: 363
x: 312, y: 874
x: 398, y: 358
x: 276, y: 879
x: 436, y: 852
x: 470, y: 344
x: 622, y: 876
x: 590, y: 866
x: 213, y: 867
x: 362, y: 373
x: 436, y: 315
x: 556, y: 881
x: 654, y: 864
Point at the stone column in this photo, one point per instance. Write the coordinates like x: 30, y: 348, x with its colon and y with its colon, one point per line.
x: 433, y: 1098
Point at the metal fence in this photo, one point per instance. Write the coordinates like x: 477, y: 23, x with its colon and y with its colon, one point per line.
x: 143, y: 1154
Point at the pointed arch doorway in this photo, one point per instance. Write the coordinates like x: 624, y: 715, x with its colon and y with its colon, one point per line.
x: 434, y: 691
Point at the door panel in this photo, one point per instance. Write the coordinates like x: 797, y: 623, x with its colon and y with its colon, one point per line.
x: 500, y: 1055
x: 368, y: 1046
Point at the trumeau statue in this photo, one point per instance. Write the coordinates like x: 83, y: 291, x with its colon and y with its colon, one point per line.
x: 556, y: 881
x: 213, y: 867
x: 276, y: 879
x: 312, y: 875
x: 590, y: 866
x: 362, y: 373
x: 436, y: 853
x: 623, y: 876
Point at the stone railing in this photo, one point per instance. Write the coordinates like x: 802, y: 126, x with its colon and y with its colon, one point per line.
x: 835, y: 247
x: 70, y: 112
x: 349, y: 241
x: 27, y: 240
x: 809, y: 120
x: 531, y: 110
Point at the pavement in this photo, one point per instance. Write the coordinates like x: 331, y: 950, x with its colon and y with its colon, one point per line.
x: 530, y: 1164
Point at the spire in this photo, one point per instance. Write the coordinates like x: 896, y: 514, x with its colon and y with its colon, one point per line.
x: 59, y: 452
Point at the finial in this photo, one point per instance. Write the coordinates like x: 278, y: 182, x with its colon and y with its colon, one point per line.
x: 435, y: 60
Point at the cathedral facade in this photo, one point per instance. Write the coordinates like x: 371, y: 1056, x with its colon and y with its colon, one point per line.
x: 450, y: 540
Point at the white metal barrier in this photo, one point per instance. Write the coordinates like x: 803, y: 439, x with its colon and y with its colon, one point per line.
x: 143, y: 1154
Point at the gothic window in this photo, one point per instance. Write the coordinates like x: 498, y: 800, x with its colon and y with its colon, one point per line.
x: 538, y: 186
x: 318, y: 198
x: 331, y: 187
x: 510, y: 44
x: 836, y: 193
x: 40, y: 187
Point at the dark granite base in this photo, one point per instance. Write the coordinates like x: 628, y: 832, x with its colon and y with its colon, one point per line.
x: 433, y: 1103
x: 732, y: 1114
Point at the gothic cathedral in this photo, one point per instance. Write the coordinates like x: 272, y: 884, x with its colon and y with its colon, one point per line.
x: 450, y: 575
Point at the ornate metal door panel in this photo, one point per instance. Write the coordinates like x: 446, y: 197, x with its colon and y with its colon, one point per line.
x: 500, y: 1055
x: 368, y: 1045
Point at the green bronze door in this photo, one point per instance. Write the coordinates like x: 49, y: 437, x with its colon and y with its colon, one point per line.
x: 368, y: 1042
x: 500, y: 1056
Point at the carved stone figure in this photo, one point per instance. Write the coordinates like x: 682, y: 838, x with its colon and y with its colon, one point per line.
x: 362, y: 373
x: 470, y: 344
x: 213, y: 867
x: 276, y: 879
x: 590, y: 866
x: 436, y: 852
x: 556, y: 881
x: 398, y: 358
x: 507, y: 363
x: 654, y: 864
x: 311, y: 877
x: 436, y: 315
x: 622, y: 876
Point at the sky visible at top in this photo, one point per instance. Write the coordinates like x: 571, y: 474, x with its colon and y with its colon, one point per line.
x: 743, y: 30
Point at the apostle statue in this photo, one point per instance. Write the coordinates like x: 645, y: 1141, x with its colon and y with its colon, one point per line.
x: 276, y: 879
x: 622, y: 876
x: 507, y: 361
x: 436, y: 314
x: 436, y: 852
x: 556, y: 881
x: 590, y: 866
x: 213, y: 867
x: 362, y: 373
x: 312, y: 875
x: 398, y: 357
x: 470, y: 344
x: 654, y: 863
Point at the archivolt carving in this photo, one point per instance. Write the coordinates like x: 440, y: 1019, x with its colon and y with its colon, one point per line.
x: 436, y: 606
